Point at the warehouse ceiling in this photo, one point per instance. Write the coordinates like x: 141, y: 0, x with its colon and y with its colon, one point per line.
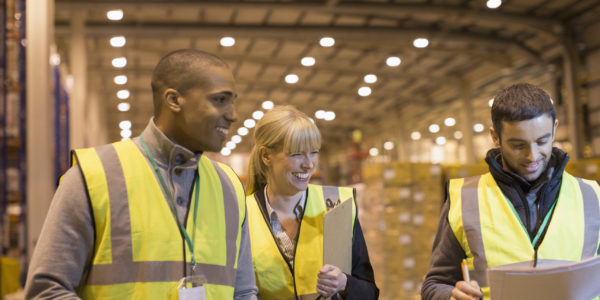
x: 472, y: 51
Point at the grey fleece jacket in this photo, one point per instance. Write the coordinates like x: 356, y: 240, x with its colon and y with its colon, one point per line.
x: 63, y: 253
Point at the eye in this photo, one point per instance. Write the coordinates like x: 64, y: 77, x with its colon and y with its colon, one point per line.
x: 220, y: 99
x: 542, y: 142
x: 518, y: 146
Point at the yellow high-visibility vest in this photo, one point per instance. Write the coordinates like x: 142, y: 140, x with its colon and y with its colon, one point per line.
x: 491, y: 233
x: 139, y: 252
x: 274, y: 276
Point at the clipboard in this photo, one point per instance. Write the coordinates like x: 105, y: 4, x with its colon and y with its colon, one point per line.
x: 337, y: 236
x: 549, y: 280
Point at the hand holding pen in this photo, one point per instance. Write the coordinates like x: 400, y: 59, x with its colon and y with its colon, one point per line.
x: 466, y: 289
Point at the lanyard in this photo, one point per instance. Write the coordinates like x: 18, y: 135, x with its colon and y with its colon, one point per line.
x: 189, y: 242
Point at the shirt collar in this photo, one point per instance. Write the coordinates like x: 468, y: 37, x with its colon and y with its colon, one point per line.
x: 165, y: 151
x: 271, y: 212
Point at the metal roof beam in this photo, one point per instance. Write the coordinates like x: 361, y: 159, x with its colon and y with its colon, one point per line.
x: 393, y: 36
x: 367, y: 9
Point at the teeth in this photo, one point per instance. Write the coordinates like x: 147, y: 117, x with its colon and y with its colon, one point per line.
x: 302, y: 175
x: 223, y: 130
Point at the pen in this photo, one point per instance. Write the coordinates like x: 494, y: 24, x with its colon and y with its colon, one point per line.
x: 465, y: 270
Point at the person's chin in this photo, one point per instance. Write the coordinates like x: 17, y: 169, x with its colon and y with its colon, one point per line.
x: 531, y: 176
x: 301, y: 186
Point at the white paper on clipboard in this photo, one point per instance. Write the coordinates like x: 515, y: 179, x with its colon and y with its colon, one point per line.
x: 337, y: 237
x: 549, y: 280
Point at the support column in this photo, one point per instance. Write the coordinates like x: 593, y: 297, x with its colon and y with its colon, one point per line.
x: 40, y: 127
x: 78, y: 66
x: 402, y: 144
x: 572, y: 97
x: 467, y: 121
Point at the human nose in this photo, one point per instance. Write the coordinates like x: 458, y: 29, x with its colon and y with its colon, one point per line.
x: 231, y: 114
x: 534, y: 153
x: 307, y: 162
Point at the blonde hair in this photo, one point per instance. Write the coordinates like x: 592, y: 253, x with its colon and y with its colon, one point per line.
x: 282, y: 128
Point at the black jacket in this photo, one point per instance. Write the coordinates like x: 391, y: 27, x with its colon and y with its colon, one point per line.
x: 532, y: 200
x: 444, y: 269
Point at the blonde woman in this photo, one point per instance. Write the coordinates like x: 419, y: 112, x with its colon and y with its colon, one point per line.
x: 285, y: 215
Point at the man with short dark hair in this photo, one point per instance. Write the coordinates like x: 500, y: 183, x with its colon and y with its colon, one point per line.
x: 132, y: 219
x: 527, y: 206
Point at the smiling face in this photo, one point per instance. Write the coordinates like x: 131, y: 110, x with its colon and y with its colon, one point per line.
x: 526, y: 145
x: 289, y: 173
x: 207, y: 111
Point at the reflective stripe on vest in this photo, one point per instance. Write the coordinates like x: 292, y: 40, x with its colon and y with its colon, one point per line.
x: 273, y: 275
x: 140, y: 251
x: 478, y: 210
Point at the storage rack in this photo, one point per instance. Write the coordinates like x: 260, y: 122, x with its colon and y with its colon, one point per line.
x: 13, y: 225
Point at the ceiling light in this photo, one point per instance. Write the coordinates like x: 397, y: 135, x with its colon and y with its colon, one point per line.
x: 327, y: 42
x: 388, y: 145
x: 249, y: 123
x: 236, y: 139
x: 227, y: 41
x: 119, y: 62
x: 267, y: 104
x: 449, y: 122
x: 478, y: 127
x: 123, y: 94
x: 125, y: 133
x: 393, y: 61
x: 291, y: 78
x: 69, y: 82
x: 370, y: 78
x: 320, y: 114
x: 123, y: 106
x: 225, y: 151
x: 421, y: 43
x: 373, y: 151
x: 440, y: 140
x: 458, y: 135
x: 434, y: 128
x: 242, y: 131
x: 126, y: 124
x: 308, y: 61
x: 491, y: 102
x: 117, y: 41
x: 493, y: 4
x: 55, y: 59
x: 364, y: 91
x: 115, y: 14
x: 415, y: 136
x: 231, y: 145
x: 120, y: 79
x: 257, y: 115
x: 329, y: 116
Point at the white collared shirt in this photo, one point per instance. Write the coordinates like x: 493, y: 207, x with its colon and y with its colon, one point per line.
x: 284, y: 242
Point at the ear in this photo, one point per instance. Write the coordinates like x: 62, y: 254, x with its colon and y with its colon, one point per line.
x: 555, y: 126
x: 495, y: 137
x: 173, y: 100
x: 265, y: 155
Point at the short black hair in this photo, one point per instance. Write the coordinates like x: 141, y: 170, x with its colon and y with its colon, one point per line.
x: 519, y: 102
x: 179, y: 70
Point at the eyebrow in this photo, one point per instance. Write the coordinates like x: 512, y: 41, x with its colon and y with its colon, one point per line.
x: 227, y: 93
x: 545, y: 136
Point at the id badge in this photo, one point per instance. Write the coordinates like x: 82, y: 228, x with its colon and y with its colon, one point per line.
x: 192, y: 288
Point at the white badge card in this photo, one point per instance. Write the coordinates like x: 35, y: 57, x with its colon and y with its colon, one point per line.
x: 192, y: 287
x: 196, y: 293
